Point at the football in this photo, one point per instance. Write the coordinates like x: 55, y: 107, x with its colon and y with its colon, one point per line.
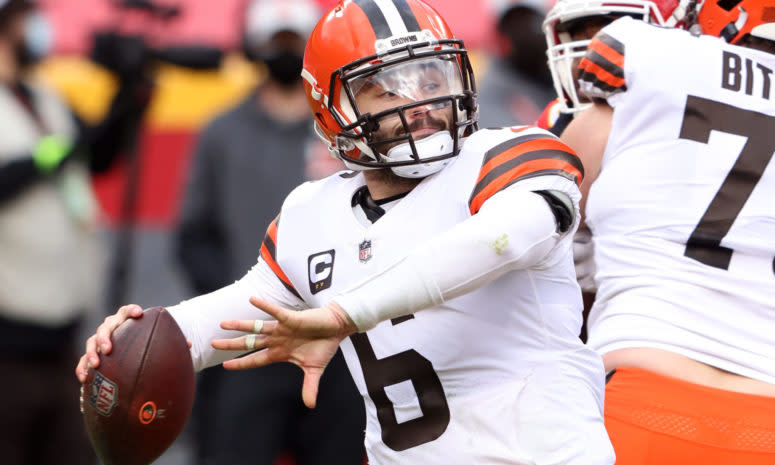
x: 139, y: 399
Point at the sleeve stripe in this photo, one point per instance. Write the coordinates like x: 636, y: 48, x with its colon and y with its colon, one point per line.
x: 604, y: 63
x: 614, y: 44
x: 269, y: 255
x: 560, y: 153
x: 530, y: 165
x: 516, y: 147
x: 594, y: 71
x: 607, y: 52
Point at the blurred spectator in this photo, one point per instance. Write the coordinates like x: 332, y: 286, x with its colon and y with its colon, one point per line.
x: 245, y: 163
x: 50, y: 257
x: 517, y: 86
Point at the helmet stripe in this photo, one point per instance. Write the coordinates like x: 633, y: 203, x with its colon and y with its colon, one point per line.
x: 407, y: 16
x: 376, y: 18
x: 389, y: 17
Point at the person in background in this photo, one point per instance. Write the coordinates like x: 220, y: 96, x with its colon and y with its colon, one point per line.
x: 51, y: 260
x: 517, y: 84
x: 245, y: 163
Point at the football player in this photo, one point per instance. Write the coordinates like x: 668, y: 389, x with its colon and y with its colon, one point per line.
x: 441, y: 263
x: 678, y: 149
x: 569, y: 26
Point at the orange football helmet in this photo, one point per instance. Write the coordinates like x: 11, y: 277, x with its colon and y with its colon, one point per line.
x: 733, y: 19
x: 405, y: 49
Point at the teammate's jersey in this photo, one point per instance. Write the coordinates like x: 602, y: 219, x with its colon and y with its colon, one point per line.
x: 495, y: 376
x: 683, y: 211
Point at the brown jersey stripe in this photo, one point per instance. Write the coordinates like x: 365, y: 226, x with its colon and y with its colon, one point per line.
x: 605, y: 53
x: 546, y: 153
x: 513, y: 148
x: 566, y: 164
x: 587, y: 66
x: 614, y: 44
x: 269, y: 255
x: 602, y: 62
x: 600, y: 85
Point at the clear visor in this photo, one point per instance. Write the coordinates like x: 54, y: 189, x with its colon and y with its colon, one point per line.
x: 407, y: 83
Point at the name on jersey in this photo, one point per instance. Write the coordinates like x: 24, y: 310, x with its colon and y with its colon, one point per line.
x: 744, y: 75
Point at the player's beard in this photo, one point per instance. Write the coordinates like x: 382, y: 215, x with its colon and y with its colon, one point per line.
x: 388, y: 177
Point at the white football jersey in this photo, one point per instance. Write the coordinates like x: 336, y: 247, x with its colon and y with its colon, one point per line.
x: 683, y: 211
x: 495, y: 376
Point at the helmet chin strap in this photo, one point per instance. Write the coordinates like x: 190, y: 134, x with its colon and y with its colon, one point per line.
x: 435, y: 145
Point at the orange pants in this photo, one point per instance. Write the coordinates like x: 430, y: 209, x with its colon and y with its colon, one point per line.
x: 657, y: 420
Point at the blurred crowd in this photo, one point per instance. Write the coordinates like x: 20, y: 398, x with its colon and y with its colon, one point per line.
x: 145, y: 147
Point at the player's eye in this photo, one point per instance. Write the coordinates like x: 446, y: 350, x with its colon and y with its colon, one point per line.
x: 389, y: 95
x: 431, y: 87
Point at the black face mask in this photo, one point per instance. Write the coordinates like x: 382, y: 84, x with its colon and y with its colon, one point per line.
x: 285, y: 67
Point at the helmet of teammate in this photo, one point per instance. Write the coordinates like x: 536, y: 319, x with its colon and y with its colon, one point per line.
x: 389, y: 86
x: 733, y: 19
x: 564, y: 53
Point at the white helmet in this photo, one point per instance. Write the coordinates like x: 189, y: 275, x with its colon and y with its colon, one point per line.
x: 563, y: 52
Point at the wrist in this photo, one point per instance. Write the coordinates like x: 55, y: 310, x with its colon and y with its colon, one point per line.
x: 346, y: 323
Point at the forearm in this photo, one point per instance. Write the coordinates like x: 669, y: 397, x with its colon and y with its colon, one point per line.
x: 200, y: 318
x: 513, y: 230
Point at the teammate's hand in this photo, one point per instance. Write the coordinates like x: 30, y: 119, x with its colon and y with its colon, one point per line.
x: 583, y: 260
x: 307, y: 338
x: 100, y: 341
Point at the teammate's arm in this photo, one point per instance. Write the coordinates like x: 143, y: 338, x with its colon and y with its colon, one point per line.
x: 587, y: 135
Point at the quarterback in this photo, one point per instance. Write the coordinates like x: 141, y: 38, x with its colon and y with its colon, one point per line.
x: 680, y: 184
x: 440, y: 262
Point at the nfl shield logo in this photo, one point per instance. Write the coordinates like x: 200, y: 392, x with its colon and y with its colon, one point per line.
x: 103, y: 394
x: 364, y: 254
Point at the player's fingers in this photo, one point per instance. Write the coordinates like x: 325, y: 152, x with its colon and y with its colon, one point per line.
x: 309, y: 390
x: 114, y: 321
x: 246, y: 326
x: 92, y: 358
x: 257, y: 359
x: 249, y: 342
x: 278, y: 313
x: 80, y: 369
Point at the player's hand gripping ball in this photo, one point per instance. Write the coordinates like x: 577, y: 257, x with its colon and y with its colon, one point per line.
x: 139, y: 399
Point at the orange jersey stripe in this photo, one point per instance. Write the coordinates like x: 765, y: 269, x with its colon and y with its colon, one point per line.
x: 269, y: 252
x: 519, y: 171
x: 525, y: 147
x: 274, y: 266
x: 607, y: 52
x: 600, y: 73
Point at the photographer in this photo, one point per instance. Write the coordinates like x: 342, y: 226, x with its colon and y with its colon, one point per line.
x: 50, y: 265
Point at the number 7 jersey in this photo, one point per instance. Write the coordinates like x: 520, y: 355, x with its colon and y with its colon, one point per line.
x: 683, y: 211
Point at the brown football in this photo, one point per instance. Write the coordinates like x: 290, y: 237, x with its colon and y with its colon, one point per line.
x: 139, y: 399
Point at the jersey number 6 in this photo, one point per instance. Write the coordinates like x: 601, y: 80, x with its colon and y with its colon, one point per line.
x: 404, y: 366
x: 700, y: 117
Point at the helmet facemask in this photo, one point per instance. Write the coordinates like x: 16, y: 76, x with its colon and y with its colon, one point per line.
x: 406, y: 110
x: 564, y: 53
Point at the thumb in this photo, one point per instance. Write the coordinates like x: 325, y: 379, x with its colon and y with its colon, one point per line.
x: 309, y: 390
